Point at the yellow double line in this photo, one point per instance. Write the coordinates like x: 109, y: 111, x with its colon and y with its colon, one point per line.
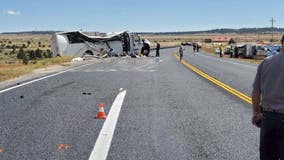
x: 217, y: 82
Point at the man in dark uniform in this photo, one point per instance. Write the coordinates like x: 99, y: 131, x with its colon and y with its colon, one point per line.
x: 180, y: 53
x: 197, y: 47
x: 194, y: 46
x: 231, y: 52
x: 268, y: 90
x: 220, y: 52
x: 158, y: 49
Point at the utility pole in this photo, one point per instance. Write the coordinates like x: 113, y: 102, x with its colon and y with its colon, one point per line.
x: 272, y: 27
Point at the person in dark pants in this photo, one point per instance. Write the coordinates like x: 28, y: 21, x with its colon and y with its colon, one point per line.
x: 194, y: 47
x: 197, y: 47
x: 158, y: 49
x: 220, y: 52
x: 268, y: 90
x: 231, y: 52
x: 180, y: 53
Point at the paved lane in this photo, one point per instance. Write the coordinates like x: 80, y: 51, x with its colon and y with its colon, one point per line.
x: 239, y: 75
x: 168, y: 113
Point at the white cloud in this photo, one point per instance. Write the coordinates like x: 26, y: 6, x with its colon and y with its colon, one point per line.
x: 12, y: 12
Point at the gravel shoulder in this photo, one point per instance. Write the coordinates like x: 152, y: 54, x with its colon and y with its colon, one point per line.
x: 37, y: 73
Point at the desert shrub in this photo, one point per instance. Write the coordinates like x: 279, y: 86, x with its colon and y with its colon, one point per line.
x: 25, y: 59
x: 32, y: 55
x: 21, y: 54
x: 38, y: 53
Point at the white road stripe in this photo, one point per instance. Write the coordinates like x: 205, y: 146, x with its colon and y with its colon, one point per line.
x: 42, y: 78
x: 103, y: 142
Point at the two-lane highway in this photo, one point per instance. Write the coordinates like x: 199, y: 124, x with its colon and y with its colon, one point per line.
x: 239, y: 75
x: 168, y: 113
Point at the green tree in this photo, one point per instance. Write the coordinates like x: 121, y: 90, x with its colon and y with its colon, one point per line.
x: 21, y: 54
x: 25, y: 59
x: 32, y: 55
x: 48, y: 54
x: 38, y: 53
x: 13, y: 51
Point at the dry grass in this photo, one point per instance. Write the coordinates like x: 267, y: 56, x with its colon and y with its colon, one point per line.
x: 9, y: 71
x: 11, y: 67
x: 202, y: 37
x: 172, y: 40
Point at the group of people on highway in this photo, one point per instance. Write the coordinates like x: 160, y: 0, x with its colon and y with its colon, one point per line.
x: 195, y: 46
x: 145, y: 50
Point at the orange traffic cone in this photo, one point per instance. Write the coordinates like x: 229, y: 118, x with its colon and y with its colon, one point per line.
x: 101, y: 114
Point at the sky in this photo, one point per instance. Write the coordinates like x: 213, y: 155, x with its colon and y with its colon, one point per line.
x: 137, y: 16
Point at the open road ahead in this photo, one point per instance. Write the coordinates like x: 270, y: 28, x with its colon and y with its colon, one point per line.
x: 167, y: 112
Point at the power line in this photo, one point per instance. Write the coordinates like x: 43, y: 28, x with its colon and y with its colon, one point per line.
x: 272, y: 28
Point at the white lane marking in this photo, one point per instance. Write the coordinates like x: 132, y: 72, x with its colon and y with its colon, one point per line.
x: 227, y: 61
x: 42, y: 78
x: 103, y: 142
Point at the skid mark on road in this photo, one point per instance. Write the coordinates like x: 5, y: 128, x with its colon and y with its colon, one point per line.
x: 217, y: 82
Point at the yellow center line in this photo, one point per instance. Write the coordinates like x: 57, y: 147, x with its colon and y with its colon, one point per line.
x: 226, y: 87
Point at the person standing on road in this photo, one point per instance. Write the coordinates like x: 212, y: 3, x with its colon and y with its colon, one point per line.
x: 197, y: 47
x: 180, y: 53
x: 220, y: 52
x: 268, y: 106
x: 231, y: 52
x: 194, y: 47
x: 158, y: 49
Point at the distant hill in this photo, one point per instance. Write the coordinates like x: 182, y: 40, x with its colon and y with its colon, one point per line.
x: 222, y: 31
x: 32, y: 32
x: 213, y: 31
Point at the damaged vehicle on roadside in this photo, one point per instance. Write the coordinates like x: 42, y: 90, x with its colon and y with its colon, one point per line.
x: 79, y: 44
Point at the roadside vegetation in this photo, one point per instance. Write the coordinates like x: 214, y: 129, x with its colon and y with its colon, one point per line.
x: 21, y: 55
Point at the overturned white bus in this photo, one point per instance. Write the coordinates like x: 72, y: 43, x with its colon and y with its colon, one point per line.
x: 79, y: 44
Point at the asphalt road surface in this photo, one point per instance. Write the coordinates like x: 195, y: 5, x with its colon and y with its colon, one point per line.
x: 168, y: 112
